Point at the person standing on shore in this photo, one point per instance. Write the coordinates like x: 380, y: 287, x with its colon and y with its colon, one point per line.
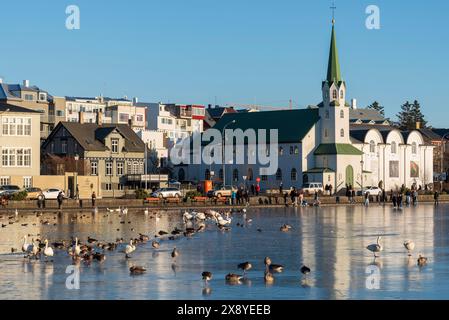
x: 253, y: 189
x: 41, y: 201
x: 285, y: 195
x: 384, y: 196
x: 394, y: 199
x: 367, y: 199
x: 281, y: 189
x: 234, y: 196
x: 94, y: 197
x: 301, y: 197
x: 415, y: 197
x: 257, y: 189
x: 436, y: 197
x: 330, y: 190
x: 60, y: 199
x: 353, y: 196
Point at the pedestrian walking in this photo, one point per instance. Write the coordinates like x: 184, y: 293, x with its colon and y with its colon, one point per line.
x: 41, y: 201
x: 60, y: 199
x: 436, y: 197
x: 94, y: 198
x: 367, y: 199
x: 257, y: 189
x: 253, y: 189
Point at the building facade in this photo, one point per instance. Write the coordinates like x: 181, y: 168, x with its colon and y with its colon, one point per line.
x: 20, y: 145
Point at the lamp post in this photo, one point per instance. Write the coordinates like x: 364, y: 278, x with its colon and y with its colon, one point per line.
x: 361, y: 164
x: 443, y: 144
x: 77, y: 157
x: 223, y: 150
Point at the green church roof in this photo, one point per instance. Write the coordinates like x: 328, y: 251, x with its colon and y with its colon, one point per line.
x: 333, y: 69
x: 292, y: 125
x: 337, y: 148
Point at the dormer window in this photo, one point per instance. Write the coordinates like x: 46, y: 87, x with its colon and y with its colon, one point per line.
x: 42, y: 96
x: 114, y: 143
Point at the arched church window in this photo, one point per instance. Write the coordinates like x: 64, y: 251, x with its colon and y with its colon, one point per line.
x: 342, y: 133
x: 342, y: 94
x: 334, y: 94
x: 279, y: 175
x: 342, y: 114
x: 372, y: 146
x: 394, y: 148
x: 414, y: 148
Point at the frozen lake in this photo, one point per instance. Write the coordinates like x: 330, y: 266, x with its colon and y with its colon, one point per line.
x: 330, y: 240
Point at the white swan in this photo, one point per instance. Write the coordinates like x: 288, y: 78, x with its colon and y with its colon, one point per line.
x: 25, y: 245
x: 34, y: 249
x: 375, y: 248
x: 187, y: 217
x: 410, y: 246
x: 146, y: 212
x: 130, y: 248
x: 76, y: 248
x: 110, y: 210
x: 200, y: 216
x: 224, y: 222
x: 124, y: 211
x: 48, y: 251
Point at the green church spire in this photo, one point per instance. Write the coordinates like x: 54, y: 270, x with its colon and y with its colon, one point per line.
x: 333, y: 69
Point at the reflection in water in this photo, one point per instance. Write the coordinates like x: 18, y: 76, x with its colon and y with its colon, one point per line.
x: 331, y: 241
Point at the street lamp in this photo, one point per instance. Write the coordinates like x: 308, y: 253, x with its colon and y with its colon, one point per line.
x: 361, y: 164
x: 223, y: 150
x: 76, y: 157
x: 443, y: 144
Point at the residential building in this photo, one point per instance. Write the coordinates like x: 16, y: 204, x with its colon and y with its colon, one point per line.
x: 322, y: 145
x: 19, y: 144
x: 34, y: 98
x: 132, y: 115
x: 157, y: 156
x: 113, y: 152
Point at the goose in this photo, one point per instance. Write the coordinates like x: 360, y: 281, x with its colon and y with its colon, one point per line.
x: 25, y: 245
x: 286, y: 228
x: 135, y: 270
x: 207, y: 276
x: 375, y: 248
x: 76, y: 249
x: 233, y: 278
x: 422, y: 261
x: 130, y: 248
x: 155, y: 244
x: 245, y: 266
x: 269, y: 278
x: 410, y: 246
x: 175, y: 253
x: 48, y: 251
x: 200, y: 216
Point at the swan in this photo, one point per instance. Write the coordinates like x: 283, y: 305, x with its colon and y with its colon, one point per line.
x: 375, y: 248
x: 48, y: 251
x: 124, y: 211
x: 130, y: 248
x: 34, y: 249
x: 187, y: 217
x: 25, y: 245
x: 76, y: 248
x: 200, y: 216
x: 410, y: 246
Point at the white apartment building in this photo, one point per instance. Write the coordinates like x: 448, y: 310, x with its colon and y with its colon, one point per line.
x: 19, y: 145
x: 157, y: 144
x: 87, y: 108
x: 129, y: 114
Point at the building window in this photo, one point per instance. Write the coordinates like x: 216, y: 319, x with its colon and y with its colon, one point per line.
x: 296, y: 150
x: 326, y: 114
x: 305, y: 178
x: 123, y: 117
x: 4, y: 181
x: 264, y: 177
x: 16, y: 126
x: 326, y: 133
x: 42, y: 96
x: 20, y: 157
x: 207, y: 175
x: 27, y: 182
x: 121, y: 187
x: 281, y: 151
x: 109, y: 168
x: 372, y: 147
x: 342, y: 94
x: 394, y: 149
x: 29, y: 97
x: 342, y: 133
x: 250, y: 175
x: 108, y: 186
x: 64, y: 146
x: 94, y: 168
x: 414, y: 148
x: 60, y: 113
x: 120, y: 168
x: 279, y: 175
x: 235, y: 175
x: 294, y: 175
x: 342, y: 114
x: 114, y: 145
x: 334, y: 94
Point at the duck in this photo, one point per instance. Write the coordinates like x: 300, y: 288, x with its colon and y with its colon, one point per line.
x: 155, y: 244
x: 269, y: 278
x: 375, y: 248
x: 273, y: 267
x: 207, y: 276
x: 245, y: 266
x: 48, y: 251
x: 130, y: 248
x: 136, y: 270
x: 422, y: 261
x: 233, y: 278
x: 410, y: 246
x: 286, y: 228
x: 99, y: 256
x: 305, y: 270
x: 175, y: 253
x: 143, y: 238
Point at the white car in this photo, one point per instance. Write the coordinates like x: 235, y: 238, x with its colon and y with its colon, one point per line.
x: 52, y: 194
x: 313, y: 187
x: 167, y: 193
x: 373, y: 191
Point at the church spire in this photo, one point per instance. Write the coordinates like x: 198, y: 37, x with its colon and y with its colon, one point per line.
x: 333, y: 69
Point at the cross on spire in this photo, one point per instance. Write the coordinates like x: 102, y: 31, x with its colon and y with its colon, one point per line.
x: 333, y: 8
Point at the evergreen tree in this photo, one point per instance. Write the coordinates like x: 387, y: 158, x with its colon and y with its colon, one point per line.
x: 409, y: 115
x: 376, y: 106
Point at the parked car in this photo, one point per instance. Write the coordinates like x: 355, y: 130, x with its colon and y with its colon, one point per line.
x: 52, y: 193
x: 33, y: 193
x: 8, y: 190
x: 373, y: 191
x: 167, y: 193
x: 312, y: 187
x: 219, y: 192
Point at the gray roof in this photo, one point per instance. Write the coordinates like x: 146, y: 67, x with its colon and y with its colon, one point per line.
x: 365, y: 115
x: 11, y: 91
x: 91, y: 136
x: 218, y: 112
x: 12, y: 108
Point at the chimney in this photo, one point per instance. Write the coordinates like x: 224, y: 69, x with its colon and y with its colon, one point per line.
x: 418, y: 125
x: 26, y: 83
x: 99, y: 118
x: 81, y: 117
x: 354, y: 104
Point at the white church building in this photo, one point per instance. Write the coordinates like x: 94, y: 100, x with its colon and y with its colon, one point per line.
x: 321, y: 144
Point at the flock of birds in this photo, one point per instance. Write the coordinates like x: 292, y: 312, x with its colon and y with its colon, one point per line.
x: 194, y: 222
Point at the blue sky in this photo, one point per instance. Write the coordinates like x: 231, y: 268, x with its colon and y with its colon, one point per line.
x: 233, y: 51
